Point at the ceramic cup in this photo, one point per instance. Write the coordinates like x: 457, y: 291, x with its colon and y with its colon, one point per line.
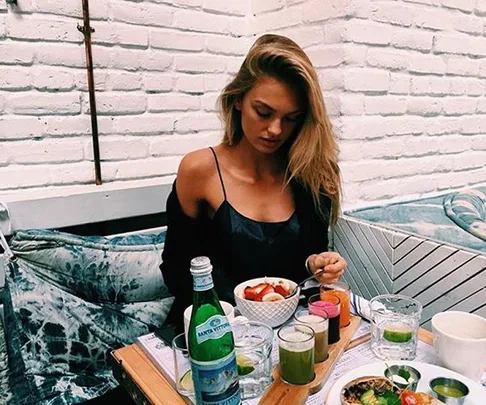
x: 227, y: 308
x: 460, y: 342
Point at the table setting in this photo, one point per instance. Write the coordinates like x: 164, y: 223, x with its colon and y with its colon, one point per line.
x: 325, y: 345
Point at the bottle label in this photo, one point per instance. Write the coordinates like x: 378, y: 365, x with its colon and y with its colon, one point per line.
x: 216, y: 382
x: 213, y: 328
x: 203, y: 283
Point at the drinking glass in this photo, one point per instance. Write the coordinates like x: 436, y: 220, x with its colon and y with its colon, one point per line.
x: 296, y: 353
x: 343, y: 292
x: 329, y: 306
x: 395, y: 320
x: 253, y: 345
x: 183, y: 373
x: 320, y: 326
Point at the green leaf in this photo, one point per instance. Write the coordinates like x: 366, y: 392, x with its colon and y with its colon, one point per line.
x: 404, y: 374
x: 391, y: 398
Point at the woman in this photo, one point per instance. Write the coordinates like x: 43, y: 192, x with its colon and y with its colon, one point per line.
x: 260, y: 203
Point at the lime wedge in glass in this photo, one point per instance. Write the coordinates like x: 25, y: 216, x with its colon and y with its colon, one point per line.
x: 397, y: 333
x: 245, y: 365
x: 186, y: 382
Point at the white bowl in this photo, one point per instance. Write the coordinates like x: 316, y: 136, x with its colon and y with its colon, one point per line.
x: 272, y: 313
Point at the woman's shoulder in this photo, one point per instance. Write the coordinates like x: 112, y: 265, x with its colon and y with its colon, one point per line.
x: 197, y: 164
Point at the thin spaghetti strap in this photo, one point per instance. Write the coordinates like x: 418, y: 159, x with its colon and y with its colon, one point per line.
x: 219, y: 171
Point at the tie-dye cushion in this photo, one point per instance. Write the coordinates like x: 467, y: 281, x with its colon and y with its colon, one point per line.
x: 69, y: 301
x: 468, y: 210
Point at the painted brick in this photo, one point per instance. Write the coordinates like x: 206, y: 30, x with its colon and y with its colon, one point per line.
x: 412, y: 39
x: 369, y: 33
x: 45, y: 151
x: 468, y: 161
x: 81, y: 80
x: 143, y: 124
x: 462, y: 66
x: 424, y: 106
x: 440, y: 86
x: 482, y: 69
x: 430, y: 64
x: 448, y: 43
x: 399, y: 84
x: 480, y: 7
x: 478, y: 142
x: 155, y: 60
x: 42, y: 29
x: 224, y: 45
x: 477, y: 46
x: 215, y: 82
x: 118, y: 103
x: 474, y: 125
x: 476, y: 87
x: 429, y: 2
x: 262, y: 6
x: 52, y: 79
x: 182, y: 144
x: 97, y: 10
x: 481, y: 108
x: 316, y: 10
x: 15, y: 127
x: 137, y: 170
x: 120, y: 148
x: 193, y: 84
x: 388, y: 59
x: 12, y: 54
x: 172, y: 102
x: 393, y: 13
x: 459, y: 105
x: 469, y: 24
x: 176, y: 40
x: 209, y: 102
x: 286, y: 18
x: 331, y: 79
x: 120, y: 34
x: 142, y: 13
x: 459, y: 86
x: 203, y: 122
x: 420, y: 85
x: 83, y: 172
x: 239, y: 27
x: 443, y: 126
x: 17, y: 176
x: 385, y: 105
x: 463, y: 5
x: 14, y: 79
x: 352, y: 104
x: 367, y: 80
x: 326, y: 56
x: 70, y: 125
x: 199, y: 63
x: 305, y: 36
x: 116, y: 80
x: 435, y: 19
x: 200, y: 21
x: 35, y: 103
x: 239, y: 8
x: 157, y: 82
x: 68, y: 55
x: 355, y: 54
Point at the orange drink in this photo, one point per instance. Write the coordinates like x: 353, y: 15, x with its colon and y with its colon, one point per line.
x: 342, y: 291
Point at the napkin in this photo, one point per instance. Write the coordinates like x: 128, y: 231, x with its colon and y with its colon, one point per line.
x: 360, y: 306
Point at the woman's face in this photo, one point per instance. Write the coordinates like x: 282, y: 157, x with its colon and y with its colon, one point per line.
x: 270, y: 112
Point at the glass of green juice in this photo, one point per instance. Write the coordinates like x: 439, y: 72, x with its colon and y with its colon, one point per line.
x: 296, y: 353
x: 320, y: 326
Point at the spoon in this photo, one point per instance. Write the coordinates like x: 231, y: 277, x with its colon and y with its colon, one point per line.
x: 305, y: 281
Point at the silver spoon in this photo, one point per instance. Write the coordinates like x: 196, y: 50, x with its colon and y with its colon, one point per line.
x: 305, y: 281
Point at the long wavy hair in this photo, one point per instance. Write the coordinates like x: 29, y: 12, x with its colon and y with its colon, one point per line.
x: 312, y: 151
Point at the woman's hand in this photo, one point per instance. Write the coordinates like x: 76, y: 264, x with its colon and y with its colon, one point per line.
x: 332, y: 263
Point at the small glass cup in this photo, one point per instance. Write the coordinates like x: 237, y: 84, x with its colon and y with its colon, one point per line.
x: 320, y: 326
x: 183, y: 373
x: 330, y: 305
x: 296, y: 353
x: 253, y: 345
x: 343, y: 292
x: 395, y: 320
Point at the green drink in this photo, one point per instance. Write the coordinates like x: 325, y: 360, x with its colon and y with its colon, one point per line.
x: 211, y: 344
x: 296, y: 354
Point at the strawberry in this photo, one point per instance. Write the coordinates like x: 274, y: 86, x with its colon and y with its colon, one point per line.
x: 251, y: 293
x: 265, y: 291
x: 282, y: 290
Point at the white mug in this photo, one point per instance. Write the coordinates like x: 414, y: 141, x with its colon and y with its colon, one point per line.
x: 460, y: 342
x: 227, y: 308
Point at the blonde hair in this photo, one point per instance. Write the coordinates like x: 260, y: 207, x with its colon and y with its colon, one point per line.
x: 312, y: 154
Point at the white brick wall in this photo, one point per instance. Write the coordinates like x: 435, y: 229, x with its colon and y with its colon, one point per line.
x: 404, y: 81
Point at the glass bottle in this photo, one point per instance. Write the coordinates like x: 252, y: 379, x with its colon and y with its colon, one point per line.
x: 211, y: 343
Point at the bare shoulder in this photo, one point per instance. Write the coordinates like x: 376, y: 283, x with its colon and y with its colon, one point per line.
x: 194, y: 174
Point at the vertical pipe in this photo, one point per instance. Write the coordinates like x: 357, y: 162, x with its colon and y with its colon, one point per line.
x: 87, y: 30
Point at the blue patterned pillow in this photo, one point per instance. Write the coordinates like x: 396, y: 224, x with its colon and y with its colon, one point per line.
x: 97, y: 269
x: 69, y: 301
x: 468, y: 210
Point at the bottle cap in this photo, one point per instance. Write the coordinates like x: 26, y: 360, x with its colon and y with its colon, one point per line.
x: 201, y: 265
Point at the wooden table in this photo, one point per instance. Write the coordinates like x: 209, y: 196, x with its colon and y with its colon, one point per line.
x: 134, y: 370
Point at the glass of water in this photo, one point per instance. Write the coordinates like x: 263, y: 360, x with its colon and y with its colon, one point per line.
x: 395, y: 320
x: 253, y: 345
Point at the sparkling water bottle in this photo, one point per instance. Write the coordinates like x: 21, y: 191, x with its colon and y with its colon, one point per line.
x: 211, y: 343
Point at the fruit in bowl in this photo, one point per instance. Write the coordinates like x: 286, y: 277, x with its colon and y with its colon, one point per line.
x: 267, y: 299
